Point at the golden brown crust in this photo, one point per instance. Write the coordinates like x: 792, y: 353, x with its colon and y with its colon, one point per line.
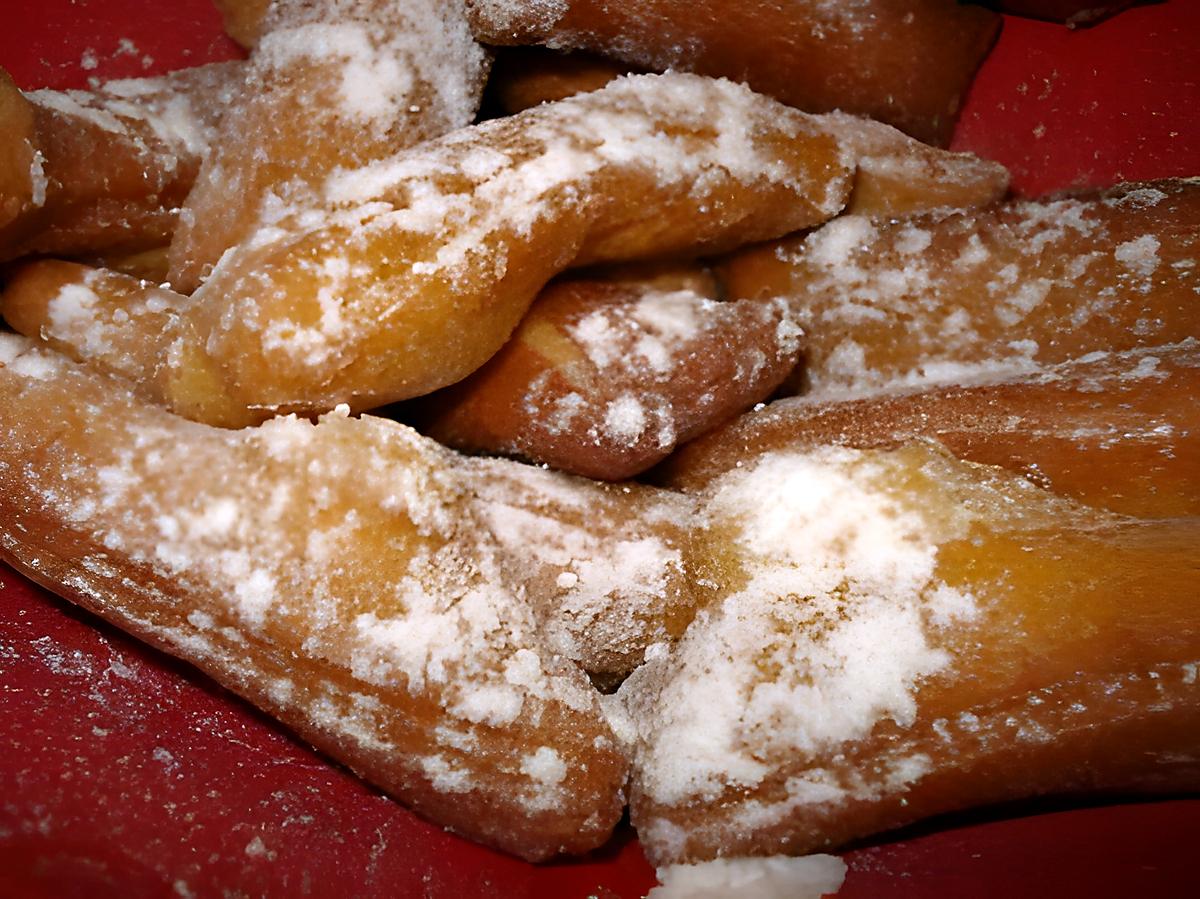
x: 244, y: 20
x: 329, y: 87
x: 1119, y: 432
x: 604, y: 380
x: 896, y: 635
x: 949, y: 296
x: 896, y: 175
x: 334, y: 574
x: 429, y: 259
x: 18, y: 159
x: 904, y: 62
x: 108, y: 169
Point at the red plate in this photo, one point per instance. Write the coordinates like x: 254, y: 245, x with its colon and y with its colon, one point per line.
x: 125, y: 773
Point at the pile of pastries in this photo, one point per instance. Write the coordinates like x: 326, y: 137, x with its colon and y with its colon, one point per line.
x: 666, y: 425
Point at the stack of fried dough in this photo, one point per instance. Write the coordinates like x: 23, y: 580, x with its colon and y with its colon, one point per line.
x: 685, y: 443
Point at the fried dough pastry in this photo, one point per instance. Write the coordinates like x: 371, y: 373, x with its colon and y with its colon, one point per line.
x: 605, y: 379
x: 89, y: 313
x: 898, y: 634
x: 336, y: 575
x: 606, y: 567
x: 1117, y: 431
x: 951, y: 296
x: 331, y: 87
x: 904, y: 62
x: 427, y: 261
x: 104, y: 171
x: 896, y: 175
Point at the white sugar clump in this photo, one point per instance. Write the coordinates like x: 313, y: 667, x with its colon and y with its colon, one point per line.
x: 38, y: 181
x: 27, y: 359
x: 505, y: 15
x: 773, y: 877
x: 545, y: 766
x: 625, y: 419
x: 71, y: 316
x: 391, y: 61
x: 78, y: 105
x: 1139, y: 255
x: 842, y: 605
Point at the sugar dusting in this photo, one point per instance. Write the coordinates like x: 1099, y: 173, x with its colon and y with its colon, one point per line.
x: 842, y: 607
x: 443, y: 621
x: 773, y: 877
x: 968, y: 297
x: 457, y: 211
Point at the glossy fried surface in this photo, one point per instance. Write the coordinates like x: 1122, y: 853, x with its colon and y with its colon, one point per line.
x: 337, y: 575
x: 1119, y: 432
x: 896, y: 175
x: 424, y: 264
x: 904, y: 62
x: 330, y: 87
x: 952, y: 296
x: 899, y: 177
x: 244, y: 20
x: 106, y: 170
x: 604, y: 379
x: 895, y: 635
x: 100, y: 315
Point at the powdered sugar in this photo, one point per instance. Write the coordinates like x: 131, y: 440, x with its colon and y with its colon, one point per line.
x: 842, y: 605
x: 776, y: 877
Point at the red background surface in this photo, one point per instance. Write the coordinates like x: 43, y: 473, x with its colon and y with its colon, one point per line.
x: 125, y: 773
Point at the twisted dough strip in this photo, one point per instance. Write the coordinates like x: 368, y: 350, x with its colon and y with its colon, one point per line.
x: 106, y: 170
x: 497, y: 409
x: 331, y: 86
x: 336, y: 575
x: 894, y: 635
x: 1119, y: 432
x: 428, y: 260
x: 896, y: 175
x: 605, y: 379
x: 846, y: 600
x: 606, y: 568
x: 950, y: 296
x: 565, y: 550
x: 904, y: 62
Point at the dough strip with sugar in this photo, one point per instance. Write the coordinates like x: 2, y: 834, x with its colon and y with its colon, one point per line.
x: 416, y: 269
x: 958, y: 295
x: 337, y: 575
x: 897, y: 634
x: 332, y: 87
x: 904, y: 62
x: 88, y: 172
x: 604, y: 379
